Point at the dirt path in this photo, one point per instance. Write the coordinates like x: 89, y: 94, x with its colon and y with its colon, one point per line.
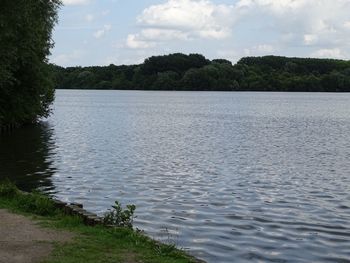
x: 24, y: 241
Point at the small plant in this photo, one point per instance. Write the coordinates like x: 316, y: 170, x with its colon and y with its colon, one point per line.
x: 8, y: 189
x: 169, y: 237
x: 37, y: 203
x: 120, y: 217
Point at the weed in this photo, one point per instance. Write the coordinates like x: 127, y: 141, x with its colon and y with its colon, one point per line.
x: 169, y: 237
x: 120, y: 217
x: 8, y: 189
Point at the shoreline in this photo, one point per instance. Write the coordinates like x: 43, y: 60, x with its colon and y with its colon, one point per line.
x: 211, y: 91
x: 111, y: 243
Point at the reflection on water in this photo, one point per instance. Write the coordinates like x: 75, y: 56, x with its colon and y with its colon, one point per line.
x: 243, y: 177
x: 26, y: 157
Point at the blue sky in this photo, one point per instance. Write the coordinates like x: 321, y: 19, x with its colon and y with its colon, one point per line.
x: 101, y: 32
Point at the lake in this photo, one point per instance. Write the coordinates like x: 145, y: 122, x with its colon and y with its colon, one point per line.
x: 230, y: 177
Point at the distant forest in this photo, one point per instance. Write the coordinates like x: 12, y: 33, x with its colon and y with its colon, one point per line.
x: 195, y: 72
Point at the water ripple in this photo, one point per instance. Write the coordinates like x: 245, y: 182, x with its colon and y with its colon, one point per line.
x: 230, y: 177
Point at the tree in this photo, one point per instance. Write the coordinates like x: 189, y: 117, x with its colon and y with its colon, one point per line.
x: 26, y: 88
x: 197, y: 79
x: 166, y: 81
x: 174, y: 62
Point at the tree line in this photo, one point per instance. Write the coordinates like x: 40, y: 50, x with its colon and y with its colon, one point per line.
x: 195, y: 72
x: 26, y: 88
x: 27, y: 81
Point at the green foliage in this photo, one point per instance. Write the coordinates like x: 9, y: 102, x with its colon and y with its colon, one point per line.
x: 120, y: 217
x: 8, y: 189
x: 167, y: 80
x: 26, y: 89
x: 174, y: 62
x: 195, y: 72
x: 35, y: 202
x: 273, y: 73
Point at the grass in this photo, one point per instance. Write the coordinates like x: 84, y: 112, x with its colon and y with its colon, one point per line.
x: 91, y: 244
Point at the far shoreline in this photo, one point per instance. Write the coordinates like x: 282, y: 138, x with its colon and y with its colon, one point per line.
x: 211, y: 91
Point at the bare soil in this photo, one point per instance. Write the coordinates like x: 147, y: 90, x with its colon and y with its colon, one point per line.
x: 22, y: 240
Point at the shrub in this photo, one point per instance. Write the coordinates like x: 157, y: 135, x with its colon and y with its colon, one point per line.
x: 120, y: 217
x: 37, y: 203
x: 8, y: 189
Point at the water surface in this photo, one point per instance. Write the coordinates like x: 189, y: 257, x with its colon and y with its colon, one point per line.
x: 232, y: 177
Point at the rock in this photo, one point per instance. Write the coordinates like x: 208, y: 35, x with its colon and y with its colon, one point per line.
x: 59, y: 204
x: 77, y: 204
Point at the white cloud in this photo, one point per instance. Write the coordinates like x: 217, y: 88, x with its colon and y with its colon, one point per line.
x: 147, y: 38
x: 164, y: 34
x: 347, y: 24
x: 197, y: 18
x: 100, y: 33
x: 277, y: 6
x: 183, y: 20
x: 133, y: 59
x: 329, y: 53
x: 314, y: 16
x: 68, y: 58
x: 75, y: 2
x: 262, y: 49
x: 133, y: 41
x: 89, y: 17
x: 297, y: 23
x: 310, y: 39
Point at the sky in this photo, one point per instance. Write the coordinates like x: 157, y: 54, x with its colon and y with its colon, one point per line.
x: 103, y: 32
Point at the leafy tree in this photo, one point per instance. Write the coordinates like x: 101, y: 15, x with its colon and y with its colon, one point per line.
x: 174, y: 62
x: 197, y: 79
x: 222, y: 61
x: 121, y: 82
x: 166, y: 81
x: 26, y: 89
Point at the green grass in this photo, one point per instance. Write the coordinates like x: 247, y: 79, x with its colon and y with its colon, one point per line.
x: 91, y: 244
